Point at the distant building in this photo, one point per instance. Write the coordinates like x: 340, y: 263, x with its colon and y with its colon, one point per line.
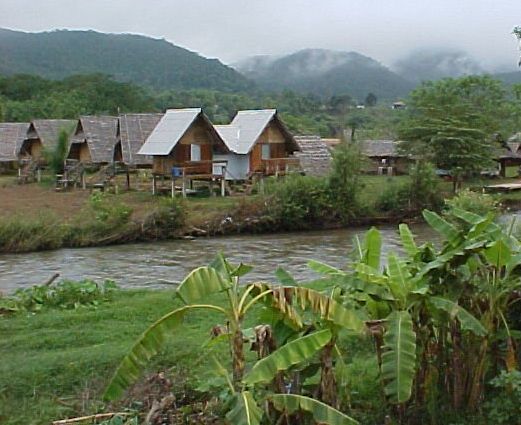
x: 94, y: 140
x: 385, y: 157
x: 43, y: 135
x: 399, y: 105
x: 315, y: 156
x: 12, y: 136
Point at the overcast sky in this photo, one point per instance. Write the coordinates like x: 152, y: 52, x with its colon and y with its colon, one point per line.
x: 233, y: 29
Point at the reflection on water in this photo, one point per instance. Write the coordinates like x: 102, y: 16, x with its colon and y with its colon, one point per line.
x: 159, y: 264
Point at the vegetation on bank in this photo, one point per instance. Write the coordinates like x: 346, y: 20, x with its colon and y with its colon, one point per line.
x: 334, y: 340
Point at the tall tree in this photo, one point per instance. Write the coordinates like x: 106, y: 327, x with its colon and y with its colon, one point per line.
x: 454, y: 123
x: 371, y: 99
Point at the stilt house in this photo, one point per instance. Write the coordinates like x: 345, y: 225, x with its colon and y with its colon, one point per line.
x: 183, y: 142
x: 43, y: 134
x: 94, y: 140
x: 259, y: 144
x: 385, y: 157
x: 133, y: 130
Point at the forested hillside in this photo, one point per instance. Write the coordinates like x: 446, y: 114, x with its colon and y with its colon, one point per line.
x: 128, y: 58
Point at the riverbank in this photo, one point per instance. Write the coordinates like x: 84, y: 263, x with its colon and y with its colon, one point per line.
x: 34, y: 217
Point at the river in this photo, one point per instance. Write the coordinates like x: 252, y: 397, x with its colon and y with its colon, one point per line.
x: 161, y: 264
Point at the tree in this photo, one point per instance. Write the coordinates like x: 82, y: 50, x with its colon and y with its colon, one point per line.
x: 371, y: 99
x: 452, y: 123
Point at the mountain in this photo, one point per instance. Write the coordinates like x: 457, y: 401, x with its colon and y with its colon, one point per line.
x: 130, y: 58
x: 424, y: 65
x: 509, y: 78
x: 325, y: 73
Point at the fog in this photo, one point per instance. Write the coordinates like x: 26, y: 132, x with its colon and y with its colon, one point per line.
x: 234, y: 29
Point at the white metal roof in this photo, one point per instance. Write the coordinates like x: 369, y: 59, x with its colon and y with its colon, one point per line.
x: 169, y: 131
x: 245, y: 129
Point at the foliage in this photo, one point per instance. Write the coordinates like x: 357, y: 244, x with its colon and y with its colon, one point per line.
x: 504, y: 407
x: 298, y: 202
x: 452, y: 123
x: 344, y: 181
x: 56, y: 158
x: 475, y: 202
x: 67, y: 294
x: 370, y: 100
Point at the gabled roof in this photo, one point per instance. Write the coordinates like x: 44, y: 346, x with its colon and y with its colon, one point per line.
x: 134, y: 129
x: 378, y: 148
x: 170, y: 129
x: 100, y: 134
x: 12, y: 136
x: 315, y: 158
x: 247, y: 126
x: 48, y: 131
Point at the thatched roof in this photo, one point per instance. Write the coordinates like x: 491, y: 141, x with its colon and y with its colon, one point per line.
x: 381, y: 148
x: 12, y: 136
x: 315, y: 158
x: 134, y: 129
x: 100, y: 134
x: 49, y: 130
x: 510, y: 150
x: 247, y: 126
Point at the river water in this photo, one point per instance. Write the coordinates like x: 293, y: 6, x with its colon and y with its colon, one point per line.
x: 161, y: 264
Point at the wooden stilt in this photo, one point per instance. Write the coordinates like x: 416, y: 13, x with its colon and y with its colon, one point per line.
x: 184, y: 184
x: 223, y: 188
x: 83, y: 180
x: 153, y: 184
x: 128, y: 179
x: 172, y: 187
x: 38, y: 175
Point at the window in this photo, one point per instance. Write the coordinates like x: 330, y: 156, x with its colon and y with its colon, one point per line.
x: 265, y: 153
x: 195, y: 152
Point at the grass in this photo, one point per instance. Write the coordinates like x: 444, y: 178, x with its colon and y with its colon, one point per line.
x: 56, y: 363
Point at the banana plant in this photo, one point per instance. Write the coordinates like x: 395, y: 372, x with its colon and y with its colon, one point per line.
x: 221, y: 277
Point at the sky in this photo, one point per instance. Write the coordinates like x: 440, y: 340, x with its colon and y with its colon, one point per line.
x: 234, y: 29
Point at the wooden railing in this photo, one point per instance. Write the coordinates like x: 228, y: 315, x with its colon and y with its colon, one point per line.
x: 199, y: 168
x: 279, y: 166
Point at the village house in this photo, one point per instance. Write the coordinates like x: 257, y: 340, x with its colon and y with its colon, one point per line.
x: 94, y: 140
x: 314, y: 156
x: 510, y: 154
x: 133, y: 130
x: 259, y: 144
x: 384, y: 157
x: 12, y: 136
x: 43, y: 135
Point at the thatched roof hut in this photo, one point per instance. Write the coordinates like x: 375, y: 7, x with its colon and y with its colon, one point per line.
x: 12, y: 136
x: 94, y: 139
x: 43, y: 134
x: 385, y: 156
x: 314, y: 155
x: 133, y: 130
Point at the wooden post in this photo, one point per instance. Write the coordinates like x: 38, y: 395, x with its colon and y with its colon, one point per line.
x: 184, y: 184
x: 38, y: 175
x: 128, y: 179
x: 172, y: 187
x: 83, y: 180
x: 153, y: 184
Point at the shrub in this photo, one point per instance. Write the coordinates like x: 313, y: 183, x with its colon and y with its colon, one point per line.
x: 344, y: 182
x: 56, y: 158
x: 478, y: 203
x: 393, y: 198
x: 166, y: 219
x: 298, y: 202
x: 504, y: 406
x: 67, y: 294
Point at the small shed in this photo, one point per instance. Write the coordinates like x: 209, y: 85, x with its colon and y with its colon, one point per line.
x: 315, y: 157
x: 184, y: 139
x: 259, y: 143
x: 385, y: 157
x: 510, y: 154
x: 94, y: 140
x: 43, y: 134
x: 133, y: 130
x: 12, y: 136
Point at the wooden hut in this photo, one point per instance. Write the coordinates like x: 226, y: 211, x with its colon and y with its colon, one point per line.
x: 183, y: 145
x: 12, y: 136
x: 133, y: 130
x: 94, y: 140
x: 385, y: 157
x: 43, y: 134
x: 314, y: 155
x: 510, y: 154
x: 259, y: 144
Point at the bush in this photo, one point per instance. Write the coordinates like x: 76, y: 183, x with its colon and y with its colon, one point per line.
x: 478, y: 203
x: 505, y: 407
x: 165, y: 220
x: 395, y: 197
x: 344, y: 183
x: 65, y: 295
x: 298, y: 202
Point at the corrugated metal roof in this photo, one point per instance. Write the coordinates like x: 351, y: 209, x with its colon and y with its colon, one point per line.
x: 230, y: 135
x: 169, y: 131
x: 251, y: 124
x: 314, y: 155
x: 100, y: 133
x: 134, y: 129
x: 12, y: 136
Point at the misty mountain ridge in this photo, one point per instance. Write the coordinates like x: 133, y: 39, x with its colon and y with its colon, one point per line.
x: 132, y: 58
x: 325, y: 73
